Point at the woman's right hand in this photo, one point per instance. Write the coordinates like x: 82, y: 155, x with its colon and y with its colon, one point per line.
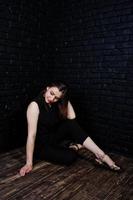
x: 25, y: 169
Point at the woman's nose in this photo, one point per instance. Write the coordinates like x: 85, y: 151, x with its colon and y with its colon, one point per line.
x: 52, y: 98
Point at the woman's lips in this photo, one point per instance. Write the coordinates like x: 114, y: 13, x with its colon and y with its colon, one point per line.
x: 49, y: 101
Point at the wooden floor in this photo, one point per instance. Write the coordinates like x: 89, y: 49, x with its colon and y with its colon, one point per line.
x: 81, y: 181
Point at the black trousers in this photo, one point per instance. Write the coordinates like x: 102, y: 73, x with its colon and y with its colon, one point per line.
x: 58, y: 150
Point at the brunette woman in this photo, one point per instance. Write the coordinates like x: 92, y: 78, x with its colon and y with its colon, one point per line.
x: 52, y: 121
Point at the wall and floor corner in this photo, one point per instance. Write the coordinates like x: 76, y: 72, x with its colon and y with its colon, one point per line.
x: 89, y: 45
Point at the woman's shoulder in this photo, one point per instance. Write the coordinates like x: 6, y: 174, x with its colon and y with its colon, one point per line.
x: 33, y: 107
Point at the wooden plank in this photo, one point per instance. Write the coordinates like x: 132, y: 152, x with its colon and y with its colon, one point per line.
x: 82, y: 180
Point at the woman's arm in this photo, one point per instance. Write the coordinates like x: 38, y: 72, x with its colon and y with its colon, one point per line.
x: 32, y: 119
x: 70, y: 111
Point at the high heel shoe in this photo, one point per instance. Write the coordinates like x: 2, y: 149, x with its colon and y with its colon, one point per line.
x: 75, y: 146
x: 102, y: 162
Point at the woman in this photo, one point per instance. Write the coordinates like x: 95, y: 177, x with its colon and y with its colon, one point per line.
x: 52, y: 121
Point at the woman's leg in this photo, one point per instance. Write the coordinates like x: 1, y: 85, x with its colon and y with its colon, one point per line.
x: 56, y: 154
x: 100, y: 155
x: 72, y: 129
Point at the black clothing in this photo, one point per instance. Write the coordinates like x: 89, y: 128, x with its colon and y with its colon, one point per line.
x: 52, y: 132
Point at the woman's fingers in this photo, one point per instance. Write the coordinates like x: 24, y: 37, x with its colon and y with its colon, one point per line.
x: 28, y: 169
x: 22, y: 171
x: 25, y: 169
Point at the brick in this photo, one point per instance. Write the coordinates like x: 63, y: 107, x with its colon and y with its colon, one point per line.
x: 87, y: 44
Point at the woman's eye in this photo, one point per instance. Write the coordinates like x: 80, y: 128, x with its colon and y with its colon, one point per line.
x: 52, y: 93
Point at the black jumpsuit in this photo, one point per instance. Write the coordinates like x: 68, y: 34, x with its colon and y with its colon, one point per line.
x: 52, y: 132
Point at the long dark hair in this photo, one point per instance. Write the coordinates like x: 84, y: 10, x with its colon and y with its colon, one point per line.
x: 63, y: 102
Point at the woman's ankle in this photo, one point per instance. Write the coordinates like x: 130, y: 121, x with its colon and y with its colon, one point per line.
x: 108, y: 160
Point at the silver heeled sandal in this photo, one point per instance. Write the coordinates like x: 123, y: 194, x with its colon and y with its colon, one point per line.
x: 102, y: 162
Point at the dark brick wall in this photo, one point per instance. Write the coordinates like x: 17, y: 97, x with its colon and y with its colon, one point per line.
x: 23, y: 64
x: 89, y: 45
x: 92, y: 51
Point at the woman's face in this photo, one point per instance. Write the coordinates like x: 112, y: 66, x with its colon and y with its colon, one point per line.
x: 52, y: 95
